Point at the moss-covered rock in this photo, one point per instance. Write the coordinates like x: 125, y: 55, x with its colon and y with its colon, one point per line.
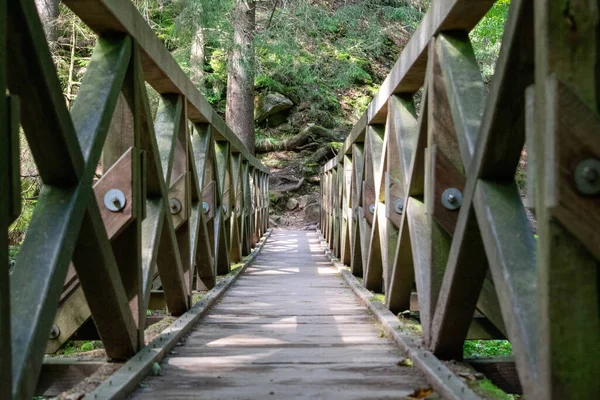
x: 271, y: 104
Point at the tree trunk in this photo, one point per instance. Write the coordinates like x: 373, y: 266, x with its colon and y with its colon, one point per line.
x: 239, y: 112
x: 197, y: 57
x: 48, y: 11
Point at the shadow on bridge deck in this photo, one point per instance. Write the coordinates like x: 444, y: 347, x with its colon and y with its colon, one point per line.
x: 290, y: 327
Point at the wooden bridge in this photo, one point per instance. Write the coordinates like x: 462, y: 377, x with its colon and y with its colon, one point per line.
x: 142, y: 209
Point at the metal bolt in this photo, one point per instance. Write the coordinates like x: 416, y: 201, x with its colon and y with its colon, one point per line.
x: 224, y: 208
x: 175, y: 206
x: 452, y: 198
x: 115, y: 200
x: 372, y: 208
x: 590, y: 174
x: 205, y: 207
x: 587, y: 177
x: 54, y: 332
x: 399, y: 206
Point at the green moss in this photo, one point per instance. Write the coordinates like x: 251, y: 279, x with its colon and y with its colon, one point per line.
x: 486, y: 388
x: 378, y: 297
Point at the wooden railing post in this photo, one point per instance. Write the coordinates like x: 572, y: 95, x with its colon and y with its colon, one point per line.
x: 567, y: 169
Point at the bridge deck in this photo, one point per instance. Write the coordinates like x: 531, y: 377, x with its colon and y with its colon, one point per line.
x: 290, y: 327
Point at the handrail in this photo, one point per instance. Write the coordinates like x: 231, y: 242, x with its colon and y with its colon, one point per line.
x: 178, y: 201
x: 424, y: 195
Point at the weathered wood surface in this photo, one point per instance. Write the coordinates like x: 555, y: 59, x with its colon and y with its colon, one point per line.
x: 289, y: 328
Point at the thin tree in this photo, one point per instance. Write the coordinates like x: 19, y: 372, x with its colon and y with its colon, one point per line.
x: 48, y: 11
x: 239, y: 111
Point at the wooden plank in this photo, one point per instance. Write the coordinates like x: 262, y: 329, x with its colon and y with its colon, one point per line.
x: 166, y: 126
x: 464, y: 89
x: 170, y: 268
x: 222, y: 262
x: 467, y: 263
x: 566, y: 55
x: 179, y: 206
x: 60, y: 375
x: 120, y: 177
x: 104, y: 291
x: 71, y: 315
x: 403, y: 273
x: 372, y: 254
x: 152, y: 227
x: 346, y: 229
x: 404, y: 136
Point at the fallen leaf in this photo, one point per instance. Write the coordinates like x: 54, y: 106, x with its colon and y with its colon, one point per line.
x: 405, y: 362
x: 421, y: 393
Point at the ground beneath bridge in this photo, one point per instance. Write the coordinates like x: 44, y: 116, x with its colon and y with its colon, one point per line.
x: 290, y: 327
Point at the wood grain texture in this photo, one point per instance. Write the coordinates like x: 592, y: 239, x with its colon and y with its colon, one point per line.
x: 296, y: 337
x: 566, y: 54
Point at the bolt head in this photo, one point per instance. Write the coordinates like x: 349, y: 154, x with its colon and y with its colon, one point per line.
x: 175, y: 206
x: 205, y: 207
x: 590, y: 174
x: 587, y: 177
x: 452, y: 198
x: 372, y: 208
x: 54, y: 332
x: 399, y: 206
x: 114, y: 200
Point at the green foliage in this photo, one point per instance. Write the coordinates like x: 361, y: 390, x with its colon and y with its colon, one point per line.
x: 487, y: 348
x: 488, y: 390
x: 79, y: 346
x: 487, y: 37
x: 323, y: 50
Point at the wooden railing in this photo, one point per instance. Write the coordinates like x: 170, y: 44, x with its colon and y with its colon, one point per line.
x: 131, y: 202
x: 423, y: 192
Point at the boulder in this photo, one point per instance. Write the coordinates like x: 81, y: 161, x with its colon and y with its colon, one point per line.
x: 271, y: 104
x: 276, y: 119
x: 312, y: 213
x: 291, y: 204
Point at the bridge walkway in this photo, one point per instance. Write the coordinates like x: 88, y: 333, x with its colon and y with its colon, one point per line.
x: 290, y: 327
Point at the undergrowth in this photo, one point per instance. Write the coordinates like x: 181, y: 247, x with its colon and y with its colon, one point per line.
x: 486, y: 348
